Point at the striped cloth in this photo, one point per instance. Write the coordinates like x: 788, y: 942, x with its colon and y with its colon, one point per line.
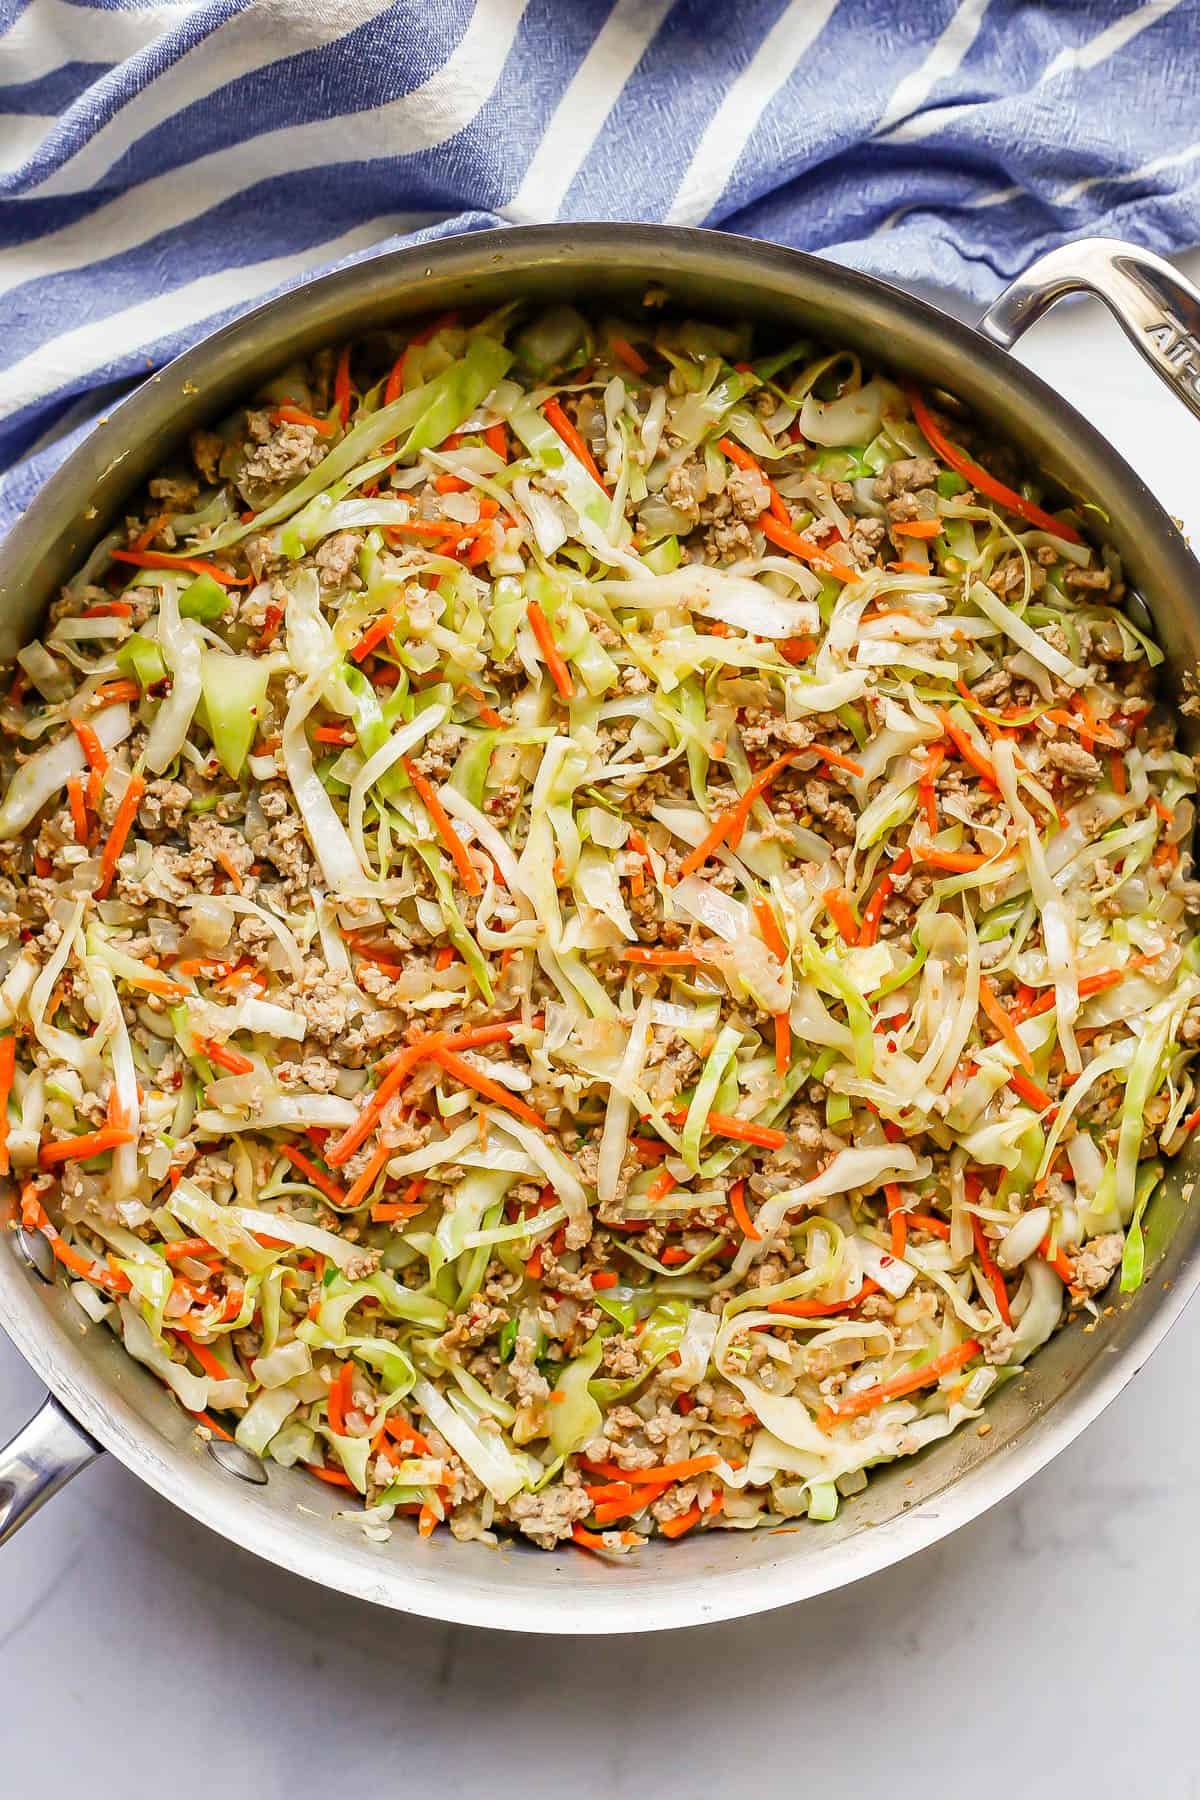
x: 165, y: 165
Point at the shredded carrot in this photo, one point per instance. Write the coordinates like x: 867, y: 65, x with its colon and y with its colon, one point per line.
x: 768, y: 926
x: 660, y: 1187
x: 97, y: 761
x: 897, y: 1218
x: 906, y: 566
x: 496, y: 439
x: 341, y: 385
x: 1029, y: 1091
x: 231, y: 869
x: 982, y: 764
x: 593, y: 1540
x: 821, y: 1309
x: 1029, y: 1007
x: 931, y: 1223
x: 854, y: 1405
x: 746, y: 1131
x: 803, y: 547
x: 376, y: 632
x: 470, y: 1076
x: 125, y: 815
x: 742, y: 459
x: 660, y: 959
x: 319, y: 1179
x: 874, y: 909
x: 732, y: 823
x: 339, y: 1395
x: 554, y: 415
x: 956, y: 861
x: 916, y: 528
x: 80, y: 1149
x: 79, y: 818
x: 737, y: 1206
x: 553, y: 658
x: 1087, y: 725
x: 195, y: 565
x: 108, y: 609
x: 1116, y: 771
x: 660, y: 1476
x: 109, y: 692
x: 633, y: 359
x: 1063, y: 1267
x: 673, y: 1528
x: 212, y: 1365
x: 797, y: 649
x: 333, y: 734
x: 224, y: 1057
x: 335, y: 1477
x: 467, y: 872
x: 991, y: 1273
x: 994, y: 1008
x: 835, y: 759
x: 396, y: 1069
x: 147, y: 537
x: 840, y: 907
x: 296, y: 415
x: 783, y: 1044
x: 978, y: 476
x: 370, y: 1175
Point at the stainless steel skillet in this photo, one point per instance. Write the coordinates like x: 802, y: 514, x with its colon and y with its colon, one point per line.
x: 100, y: 1398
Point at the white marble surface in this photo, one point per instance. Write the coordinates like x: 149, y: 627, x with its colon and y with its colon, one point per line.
x: 1049, y: 1647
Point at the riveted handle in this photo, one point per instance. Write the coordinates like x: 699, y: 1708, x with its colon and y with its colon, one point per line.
x: 1157, y: 309
x: 42, y: 1458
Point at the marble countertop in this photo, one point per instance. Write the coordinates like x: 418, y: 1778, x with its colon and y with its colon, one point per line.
x: 1049, y: 1645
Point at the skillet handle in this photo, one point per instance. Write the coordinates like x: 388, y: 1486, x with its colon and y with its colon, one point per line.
x: 42, y: 1458
x: 1158, y: 310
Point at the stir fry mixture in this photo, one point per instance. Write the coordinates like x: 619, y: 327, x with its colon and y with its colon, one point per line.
x: 594, y: 926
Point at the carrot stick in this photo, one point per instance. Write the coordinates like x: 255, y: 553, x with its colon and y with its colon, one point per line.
x: 993, y: 1007
x: 335, y: 1477
x: 874, y: 909
x: 742, y: 459
x: 552, y: 656
x: 1116, y: 772
x: 79, y: 1149
x: 496, y: 439
x: 296, y: 415
x: 783, y: 1044
x: 991, y: 1273
x: 840, y: 908
x: 370, y: 1175
x: 979, y: 478
x: 746, y: 1131
x: 661, y: 1476
x: 339, y: 1394
x: 768, y: 926
x: 341, y: 385
x: 212, y: 1365
x: 916, y: 528
x: 79, y: 819
x: 732, y: 822
x: 316, y: 1176
x: 684, y: 1521
x: 931, y: 1223
x: 491, y: 1090
x: 195, y: 565
x: 467, y: 872
x: 554, y: 415
x: 935, y: 757
x: 125, y: 815
x: 396, y: 1070
x: 982, y: 764
x: 737, y: 1206
x: 224, y: 1057
x: 660, y: 959
x: 959, y: 862
x: 1062, y: 1265
x: 1089, y: 985
x: 898, y: 1219
x: 375, y: 633
x: 633, y: 359
x: 868, y: 1398
x: 1029, y: 1091
x: 835, y: 759
x: 821, y: 1309
x: 803, y: 547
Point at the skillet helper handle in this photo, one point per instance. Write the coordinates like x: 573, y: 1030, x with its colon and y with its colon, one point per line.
x: 42, y: 1458
x: 1157, y: 309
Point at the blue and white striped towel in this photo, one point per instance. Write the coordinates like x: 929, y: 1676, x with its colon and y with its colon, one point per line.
x: 166, y: 164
